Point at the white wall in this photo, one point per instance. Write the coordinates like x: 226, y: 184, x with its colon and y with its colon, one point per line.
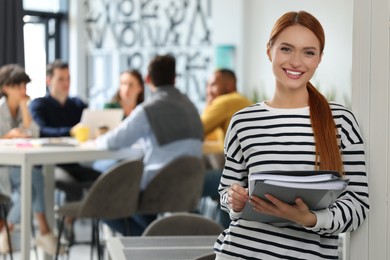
x: 334, y: 73
x: 228, y: 29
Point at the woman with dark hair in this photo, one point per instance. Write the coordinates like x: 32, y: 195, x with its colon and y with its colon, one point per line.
x: 130, y: 92
x: 129, y: 95
x: 16, y: 122
x: 297, y: 130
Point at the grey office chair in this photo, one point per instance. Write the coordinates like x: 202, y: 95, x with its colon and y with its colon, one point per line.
x: 113, y: 195
x: 176, y: 188
x: 183, y: 224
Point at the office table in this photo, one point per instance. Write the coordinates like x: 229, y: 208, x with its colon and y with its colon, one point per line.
x: 26, y: 156
x: 159, y: 247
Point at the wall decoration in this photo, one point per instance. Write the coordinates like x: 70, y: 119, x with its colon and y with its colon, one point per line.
x: 133, y: 31
x: 225, y: 56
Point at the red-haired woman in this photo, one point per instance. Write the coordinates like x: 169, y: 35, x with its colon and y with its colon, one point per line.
x: 296, y: 130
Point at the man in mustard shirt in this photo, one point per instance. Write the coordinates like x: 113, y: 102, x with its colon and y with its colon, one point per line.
x: 222, y: 101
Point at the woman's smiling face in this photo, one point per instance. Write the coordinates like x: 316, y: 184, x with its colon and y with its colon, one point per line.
x: 295, y: 56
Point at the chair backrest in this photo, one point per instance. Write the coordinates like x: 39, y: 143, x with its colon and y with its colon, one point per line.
x: 183, y: 224
x: 176, y: 188
x: 115, y: 193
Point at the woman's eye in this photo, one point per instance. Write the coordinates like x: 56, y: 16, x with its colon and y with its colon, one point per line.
x: 310, y: 53
x: 285, y: 49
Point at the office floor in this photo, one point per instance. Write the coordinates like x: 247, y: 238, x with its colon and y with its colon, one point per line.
x: 82, y: 250
x: 79, y: 251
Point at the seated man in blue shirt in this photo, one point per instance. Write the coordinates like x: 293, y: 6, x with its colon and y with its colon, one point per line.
x: 56, y: 114
x: 169, y: 125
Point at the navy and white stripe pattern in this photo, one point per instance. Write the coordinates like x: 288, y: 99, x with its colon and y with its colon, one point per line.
x: 261, y: 138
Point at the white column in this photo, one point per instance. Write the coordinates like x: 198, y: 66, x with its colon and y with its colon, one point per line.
x: 77, y: 47
x: 370, y: 103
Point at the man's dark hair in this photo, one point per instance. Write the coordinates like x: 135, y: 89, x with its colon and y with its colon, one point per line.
x: 162, y: 70
x: 57, y: 64
x: 13, y: 74
x: 228, y: 75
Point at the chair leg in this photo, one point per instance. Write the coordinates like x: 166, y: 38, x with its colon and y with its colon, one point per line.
x: 97, y: 239
x: 4, y: 213
x: 127, y: 227
x: 59, y: 237
x: 92, y: 237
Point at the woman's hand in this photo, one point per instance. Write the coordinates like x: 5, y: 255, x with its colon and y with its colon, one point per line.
x: 26, y: 117
x: 298, y: 212
x: 237, y: 197
x: 16, y: 133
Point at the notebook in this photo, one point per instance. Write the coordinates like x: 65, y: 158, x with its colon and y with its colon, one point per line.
x: 95, y: 118
x: 318, y: 189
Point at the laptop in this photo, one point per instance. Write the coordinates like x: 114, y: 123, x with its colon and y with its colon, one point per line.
x: 96, y: 118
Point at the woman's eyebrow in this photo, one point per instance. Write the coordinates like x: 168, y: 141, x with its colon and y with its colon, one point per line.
x: 292, y: 46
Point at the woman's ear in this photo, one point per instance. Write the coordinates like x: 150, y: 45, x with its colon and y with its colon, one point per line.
x: 269, y: 53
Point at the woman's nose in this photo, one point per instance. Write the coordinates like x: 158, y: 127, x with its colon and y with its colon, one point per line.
x: 295, y: 60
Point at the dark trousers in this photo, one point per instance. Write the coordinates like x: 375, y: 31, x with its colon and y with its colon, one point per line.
x: 132, y: 226
x: 74, y: 179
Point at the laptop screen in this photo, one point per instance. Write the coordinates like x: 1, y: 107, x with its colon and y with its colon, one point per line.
x: 97, y: 118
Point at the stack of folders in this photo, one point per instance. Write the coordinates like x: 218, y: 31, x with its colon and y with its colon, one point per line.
x: 318, y: 189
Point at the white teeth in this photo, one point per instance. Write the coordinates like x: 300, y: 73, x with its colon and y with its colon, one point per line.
x: 293, y: 72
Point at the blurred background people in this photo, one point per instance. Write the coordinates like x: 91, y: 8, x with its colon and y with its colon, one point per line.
x: 130, y: 94
x: 222, y: 101
x: 56, y: 114
x: 169, y: 125
x: 16, y: 122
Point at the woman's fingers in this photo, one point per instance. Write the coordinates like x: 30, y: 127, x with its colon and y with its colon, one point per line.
x: 237, y: 197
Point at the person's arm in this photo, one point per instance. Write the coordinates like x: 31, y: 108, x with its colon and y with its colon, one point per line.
x: 26, y: 117
x: 135, y: 126
x: 234, y: 176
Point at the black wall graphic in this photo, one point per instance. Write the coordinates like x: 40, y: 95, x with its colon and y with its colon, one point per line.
x: 122, y: 34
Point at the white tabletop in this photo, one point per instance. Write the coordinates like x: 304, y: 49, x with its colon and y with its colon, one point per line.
x: 28, y: 153
x: 160, y: 248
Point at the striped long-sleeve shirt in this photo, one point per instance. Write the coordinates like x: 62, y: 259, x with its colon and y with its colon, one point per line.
x: 261, y: 138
